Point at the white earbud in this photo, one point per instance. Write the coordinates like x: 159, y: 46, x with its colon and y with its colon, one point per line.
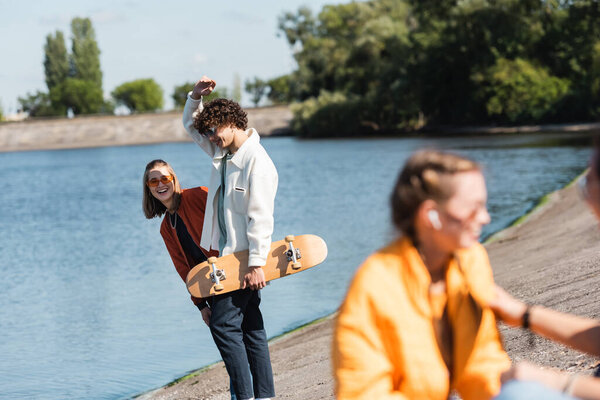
x: 434, y: 218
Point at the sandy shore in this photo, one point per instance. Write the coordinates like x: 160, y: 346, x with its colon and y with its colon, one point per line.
x: 550, y: 258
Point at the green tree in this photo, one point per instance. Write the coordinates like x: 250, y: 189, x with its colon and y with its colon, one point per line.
x: 56, y: 60
x: 467, y: 41
x: 40, y: 105
x: 438, y: 62
x: 180, y: 94
x: 360, y: 49
x: 280, y: 90
x: 141, y: 95
x: 518, y: 91
x: 74, y: 80
x: 569, y: 49
x: 81, y: 96
x: 257, y: 89
x: 298, y: 27
x: 85, y: 54
x: 86, y: 74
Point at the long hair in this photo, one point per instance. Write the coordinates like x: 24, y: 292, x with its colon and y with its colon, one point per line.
x: 151, y: 206
x: 424, y: 176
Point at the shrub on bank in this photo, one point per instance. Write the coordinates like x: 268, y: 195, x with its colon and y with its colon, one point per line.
x: 329, y: 114
x: 517, y: 91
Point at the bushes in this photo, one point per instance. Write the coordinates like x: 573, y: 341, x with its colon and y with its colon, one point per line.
x: 516, y: 91
x: 329, y: 114
x: 444, y: 63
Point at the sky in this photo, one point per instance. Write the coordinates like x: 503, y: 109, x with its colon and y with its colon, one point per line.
x: 172, y: 42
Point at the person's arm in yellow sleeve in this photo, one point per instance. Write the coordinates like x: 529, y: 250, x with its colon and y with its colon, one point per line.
x: 481, y: 377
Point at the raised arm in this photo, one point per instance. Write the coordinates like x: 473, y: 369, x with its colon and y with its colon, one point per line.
x: 193, y: 104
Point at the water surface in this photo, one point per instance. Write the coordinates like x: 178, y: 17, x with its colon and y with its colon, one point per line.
x: 91, y: 306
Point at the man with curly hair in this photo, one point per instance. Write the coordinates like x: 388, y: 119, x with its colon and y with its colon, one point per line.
x: 239, y: 216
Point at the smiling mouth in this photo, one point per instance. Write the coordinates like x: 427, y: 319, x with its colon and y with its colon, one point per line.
x: 161, y: 191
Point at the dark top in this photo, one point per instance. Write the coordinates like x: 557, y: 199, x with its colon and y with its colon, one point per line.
x: 190, y: 248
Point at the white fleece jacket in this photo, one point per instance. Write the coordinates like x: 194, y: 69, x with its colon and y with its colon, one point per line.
x: 250, y: 184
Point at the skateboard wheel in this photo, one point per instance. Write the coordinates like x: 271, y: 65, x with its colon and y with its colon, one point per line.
x: 296, y: 265
x: 219, y: 287
x: 212, y: 260
x: 289, y: 238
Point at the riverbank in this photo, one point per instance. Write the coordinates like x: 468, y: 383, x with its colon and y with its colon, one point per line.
x: 550, y: 258
x: 111, y: 130
x: 149, y: 128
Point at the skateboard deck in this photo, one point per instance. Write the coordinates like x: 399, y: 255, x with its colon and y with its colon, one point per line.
x: 226, y: 274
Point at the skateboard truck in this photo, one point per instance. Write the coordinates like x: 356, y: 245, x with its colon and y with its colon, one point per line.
x: 293, y: 254
x: 217, y: 275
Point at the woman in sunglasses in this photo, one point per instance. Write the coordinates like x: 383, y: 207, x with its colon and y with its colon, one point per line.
x: 527, y: 381
x: 181, y: 227
x: 413, y: 324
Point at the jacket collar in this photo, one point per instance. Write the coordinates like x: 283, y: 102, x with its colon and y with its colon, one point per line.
x: 416, y: 273
x: 253, y: 140
x: 238, y: 157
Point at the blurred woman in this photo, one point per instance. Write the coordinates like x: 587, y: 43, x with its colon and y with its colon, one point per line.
x: 414, y: 323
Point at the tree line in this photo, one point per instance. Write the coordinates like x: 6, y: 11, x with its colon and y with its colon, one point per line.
x: 74, y: 81
x: 390, y: 66
x: 387, y: 67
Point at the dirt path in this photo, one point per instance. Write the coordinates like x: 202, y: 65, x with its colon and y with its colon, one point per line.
x: 549, y: 259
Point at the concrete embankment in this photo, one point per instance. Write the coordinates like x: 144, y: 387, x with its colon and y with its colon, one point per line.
x: 95, y: 131
x: 550, y: 259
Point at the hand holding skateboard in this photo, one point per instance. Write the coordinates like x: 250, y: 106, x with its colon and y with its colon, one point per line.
x: 230, y: 272
x: 255, y: 279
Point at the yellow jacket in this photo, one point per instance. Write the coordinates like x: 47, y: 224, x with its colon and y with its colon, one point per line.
x: 385, y: 345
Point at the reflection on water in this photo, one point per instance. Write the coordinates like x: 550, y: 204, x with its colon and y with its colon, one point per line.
x: 91, y: 306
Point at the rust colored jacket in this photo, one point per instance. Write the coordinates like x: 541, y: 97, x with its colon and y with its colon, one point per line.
x: 191, y: 210
x: 385, y: 345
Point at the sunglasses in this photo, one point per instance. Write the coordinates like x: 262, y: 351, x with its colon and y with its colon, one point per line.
x: 210, y: 132
x: 163, y: 179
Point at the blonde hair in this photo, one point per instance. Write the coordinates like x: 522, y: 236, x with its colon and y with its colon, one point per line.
x: 424, y: 176
x: 151, y: 206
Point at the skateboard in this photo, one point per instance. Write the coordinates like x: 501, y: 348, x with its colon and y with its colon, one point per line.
x: 226, y: 274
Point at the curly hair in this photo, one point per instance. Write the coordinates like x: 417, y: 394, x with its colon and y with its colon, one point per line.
x: 218, y: 113
x: 424, y: 177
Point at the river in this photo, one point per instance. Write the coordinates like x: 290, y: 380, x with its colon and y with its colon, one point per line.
x: 91, y: 306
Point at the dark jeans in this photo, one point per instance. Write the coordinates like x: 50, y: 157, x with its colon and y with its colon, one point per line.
x: 237, y: 328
